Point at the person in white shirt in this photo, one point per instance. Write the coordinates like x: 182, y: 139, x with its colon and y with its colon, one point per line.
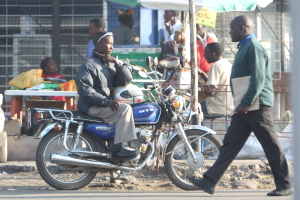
x: 172, y: 24
x: 220, y: 100
x: 95, y: 26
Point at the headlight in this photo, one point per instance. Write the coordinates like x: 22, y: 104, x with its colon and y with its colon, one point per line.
x: 170, y: 91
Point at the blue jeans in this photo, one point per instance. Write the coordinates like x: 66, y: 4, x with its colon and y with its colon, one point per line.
x: 203, y: 107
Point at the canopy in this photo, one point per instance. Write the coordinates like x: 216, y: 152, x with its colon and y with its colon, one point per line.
x: 212, y: 5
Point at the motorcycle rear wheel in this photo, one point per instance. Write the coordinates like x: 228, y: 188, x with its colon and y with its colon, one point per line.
x: 179, y: 164
x: 60, y: 176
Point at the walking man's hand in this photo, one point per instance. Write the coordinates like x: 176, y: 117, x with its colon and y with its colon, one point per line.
x: 241, y: 110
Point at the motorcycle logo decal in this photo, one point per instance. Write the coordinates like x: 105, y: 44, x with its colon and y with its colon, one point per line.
x: 102, y: 128
x: 147, y: 110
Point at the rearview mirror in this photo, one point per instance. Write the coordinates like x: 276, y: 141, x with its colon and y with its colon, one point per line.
x: 142, y: 74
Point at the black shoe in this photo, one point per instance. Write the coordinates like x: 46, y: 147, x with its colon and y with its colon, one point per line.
x: 281, y: 192
x: 120, y: 153
x: 205, y: 184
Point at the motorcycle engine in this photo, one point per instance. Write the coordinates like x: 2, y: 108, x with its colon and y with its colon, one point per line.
x: 142, y: 134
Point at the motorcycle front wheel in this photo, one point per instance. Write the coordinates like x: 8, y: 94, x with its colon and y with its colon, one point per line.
x: 179, y: 165
x: 63, y: 176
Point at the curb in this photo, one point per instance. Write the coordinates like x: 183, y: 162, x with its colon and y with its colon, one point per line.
x: 30, y: 166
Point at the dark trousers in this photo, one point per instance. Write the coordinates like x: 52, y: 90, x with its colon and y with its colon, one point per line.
x: 261, y: 123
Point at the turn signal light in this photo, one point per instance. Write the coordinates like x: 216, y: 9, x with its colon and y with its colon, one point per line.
x: 57, y: 127
x: 176, y: 103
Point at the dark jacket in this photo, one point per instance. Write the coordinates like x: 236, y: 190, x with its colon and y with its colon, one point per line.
x: 94, y: 81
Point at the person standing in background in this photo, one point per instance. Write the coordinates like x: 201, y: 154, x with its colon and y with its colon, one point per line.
x: 172, y: 24
x: 95, y: 26
x: 124, y: 34
x: 203, y: 38
x: 250, y: 60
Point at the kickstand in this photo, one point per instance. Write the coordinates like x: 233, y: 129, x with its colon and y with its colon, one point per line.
x: 113, y: 176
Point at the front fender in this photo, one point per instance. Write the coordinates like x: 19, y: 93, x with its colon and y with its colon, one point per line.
x: 193, y: 127
x: 202, y: 128
x: 189, y: 127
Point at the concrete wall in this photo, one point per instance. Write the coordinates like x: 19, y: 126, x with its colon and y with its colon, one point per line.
x: 21, y: 148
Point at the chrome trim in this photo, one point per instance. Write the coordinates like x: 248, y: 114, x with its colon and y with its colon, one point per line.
x: 92, y: 153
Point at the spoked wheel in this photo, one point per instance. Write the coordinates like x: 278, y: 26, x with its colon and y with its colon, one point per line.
x: 179, y: 165
x: 63, y: 176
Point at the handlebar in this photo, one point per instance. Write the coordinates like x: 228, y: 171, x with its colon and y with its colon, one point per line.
x: 155, y: 72
x: 150, y: 86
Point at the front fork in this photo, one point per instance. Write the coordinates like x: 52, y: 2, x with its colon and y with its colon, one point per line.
x: 185, y: 141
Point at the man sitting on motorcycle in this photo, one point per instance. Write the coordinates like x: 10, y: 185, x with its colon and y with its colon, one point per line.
x: 94, y: 82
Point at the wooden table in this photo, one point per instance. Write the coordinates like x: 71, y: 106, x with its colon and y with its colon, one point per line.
x: 16, y: 101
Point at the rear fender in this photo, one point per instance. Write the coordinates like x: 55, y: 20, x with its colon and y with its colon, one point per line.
x: 44, y: 129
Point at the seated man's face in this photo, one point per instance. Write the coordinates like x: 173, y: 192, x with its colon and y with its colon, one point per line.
x: 105, y: 46
x: 209, y: 56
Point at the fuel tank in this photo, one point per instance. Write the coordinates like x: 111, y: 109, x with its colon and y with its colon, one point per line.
x: 146, y: 113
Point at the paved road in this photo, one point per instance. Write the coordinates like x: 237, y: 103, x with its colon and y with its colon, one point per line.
x: 90, y: 195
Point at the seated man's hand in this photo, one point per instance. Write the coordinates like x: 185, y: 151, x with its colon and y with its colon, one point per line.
x: 114, y: 105
x: 108, y: 58
x: 208, y: 89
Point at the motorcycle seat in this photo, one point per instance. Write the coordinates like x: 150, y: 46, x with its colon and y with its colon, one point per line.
x: 80, y: 116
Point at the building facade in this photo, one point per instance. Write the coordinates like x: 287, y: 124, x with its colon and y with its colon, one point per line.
x: 33, y: 29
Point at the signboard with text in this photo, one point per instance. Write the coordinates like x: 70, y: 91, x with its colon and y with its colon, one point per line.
x: 206, y: 18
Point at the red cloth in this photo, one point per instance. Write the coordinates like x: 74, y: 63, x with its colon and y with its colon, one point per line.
x: 202, y: 63
x: 59, y: 76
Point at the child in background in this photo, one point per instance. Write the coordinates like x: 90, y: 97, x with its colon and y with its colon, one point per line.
x: 49, y: 68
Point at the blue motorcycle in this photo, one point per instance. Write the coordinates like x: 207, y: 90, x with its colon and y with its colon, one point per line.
x: 74, y: 147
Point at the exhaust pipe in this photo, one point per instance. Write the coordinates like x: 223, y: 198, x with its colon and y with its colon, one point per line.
x: 60, y: 159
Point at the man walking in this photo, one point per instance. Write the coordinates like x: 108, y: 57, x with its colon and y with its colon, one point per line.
x: 250, y: 60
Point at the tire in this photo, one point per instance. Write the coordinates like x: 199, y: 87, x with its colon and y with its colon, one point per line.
x: 179, y: 165
x: 60, y: 176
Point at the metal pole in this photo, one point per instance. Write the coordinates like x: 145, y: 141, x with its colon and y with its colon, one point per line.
x: 194, y: 70
x: 56, y: 32
x: 296, y: 94
x: 281, y: 4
